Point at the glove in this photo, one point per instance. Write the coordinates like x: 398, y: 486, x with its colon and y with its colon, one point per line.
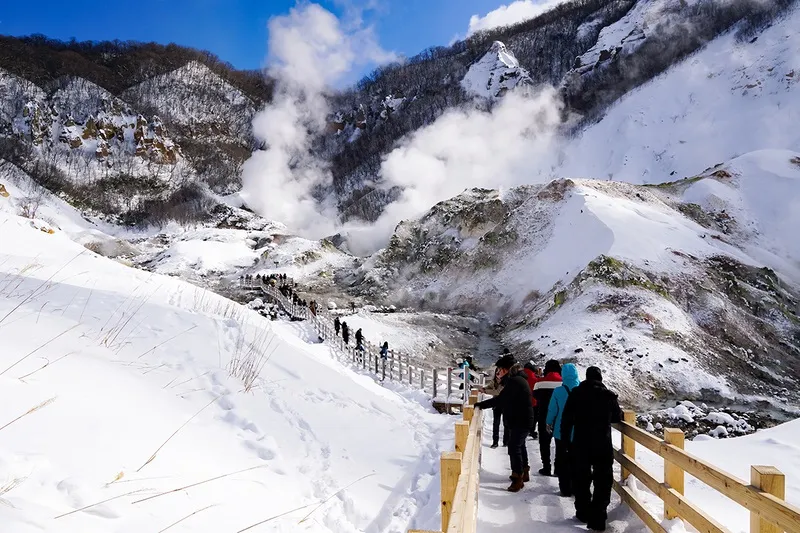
x: 549, y: 429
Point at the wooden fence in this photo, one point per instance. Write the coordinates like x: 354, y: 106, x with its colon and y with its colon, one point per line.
x: 763, y: 496
x: 446, y: 385
x: 460, y: 473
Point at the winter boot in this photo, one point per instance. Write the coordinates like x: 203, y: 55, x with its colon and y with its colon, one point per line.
x: 493, y: 446
x: 596, y: 525
x: 544, y: 471
x: 526, y: 475
x: 516, y: 483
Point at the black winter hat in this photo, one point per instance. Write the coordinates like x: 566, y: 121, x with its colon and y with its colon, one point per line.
x: 593, y: 373
x: 552, y: 366
x: 506, y: 362
x: 529, y: 366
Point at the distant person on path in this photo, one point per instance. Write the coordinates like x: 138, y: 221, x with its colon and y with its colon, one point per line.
x: 493, y: 388
x: 385, y: 350
x: 359, y: 339
x: 555, y: 411
x: 337, y: 325
x: 588, y: 414
x: 353, y: 307
x: 515, y: 399
x: 345, y: 333
x: 542, y: 391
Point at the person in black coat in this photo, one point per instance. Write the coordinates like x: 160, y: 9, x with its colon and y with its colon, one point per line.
x: 337, y: 324
x: 588, y: 414
x: 517, y: 406
x: 345, y: 333
x: 359, y: 339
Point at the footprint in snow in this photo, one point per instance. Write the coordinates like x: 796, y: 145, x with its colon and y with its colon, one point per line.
x: 226, y: 403
x: 240, y: 422
x: 262, y: 451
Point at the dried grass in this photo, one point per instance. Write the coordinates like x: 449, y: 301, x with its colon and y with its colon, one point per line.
x: 41, y: 289
x: 199, y: 483
x: 49, y: 363
x: 30, y: 411
x: 152, y: 457
x: 249, y: 358
x: 101, y: 503
x: 187, y: 516
x: 39, y: 348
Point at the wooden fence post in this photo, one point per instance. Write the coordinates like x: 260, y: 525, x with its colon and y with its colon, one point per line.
x: 673, y: 474
x: 473, y: 398
x: 422, y: 379
x: 451, y: 470
x: 772, y: 481
x: 449, y: 383
x: 435, y: 383
x: 410, y: 375
x: 462, y: 433
x: 628, y: 444
x: 469, y: 411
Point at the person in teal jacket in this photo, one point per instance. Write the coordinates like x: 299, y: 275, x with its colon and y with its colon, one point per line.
x: 570, y: 380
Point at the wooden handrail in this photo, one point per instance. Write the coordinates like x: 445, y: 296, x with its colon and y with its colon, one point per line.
x: 460, y: 475
x: 762, y: 497
x: 396, y: 367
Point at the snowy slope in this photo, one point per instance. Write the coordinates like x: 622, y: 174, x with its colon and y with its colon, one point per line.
x: 728, y: 99
x: 646, y: 282
x: 496, y: 73
x: 129, y: 357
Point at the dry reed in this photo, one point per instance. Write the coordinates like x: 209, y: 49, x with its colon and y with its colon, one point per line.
x: 199, y: 483
x: 30, y: 411
x: 152, y: 457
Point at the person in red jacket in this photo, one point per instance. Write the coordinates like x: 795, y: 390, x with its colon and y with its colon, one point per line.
x: 532, y: 374
x: 542, y: 392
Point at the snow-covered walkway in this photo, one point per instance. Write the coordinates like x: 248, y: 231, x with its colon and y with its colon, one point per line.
x: 538, y: 507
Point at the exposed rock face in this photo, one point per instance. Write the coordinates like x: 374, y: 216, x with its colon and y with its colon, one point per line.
x: 495, y: 74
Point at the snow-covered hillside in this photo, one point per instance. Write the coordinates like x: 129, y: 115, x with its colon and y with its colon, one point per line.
x: 685, y: 287
x: 122, y: 408
x: 495, y: 73
x: 197, y: 99
x: 730, y: 98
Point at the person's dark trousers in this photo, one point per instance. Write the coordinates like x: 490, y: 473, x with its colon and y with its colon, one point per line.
x: 545, y: 439
x: 497, y: 413
x: 535, y: 417
x: 517, y: 451
x: 563, y: 468
x: 592, y: 467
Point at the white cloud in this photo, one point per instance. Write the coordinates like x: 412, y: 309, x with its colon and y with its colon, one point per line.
x: 506, y: 15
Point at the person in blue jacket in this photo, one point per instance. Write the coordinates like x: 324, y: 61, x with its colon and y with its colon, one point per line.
x: 563, y: 468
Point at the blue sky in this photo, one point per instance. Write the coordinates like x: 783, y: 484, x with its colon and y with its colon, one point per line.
x: 235, y: 30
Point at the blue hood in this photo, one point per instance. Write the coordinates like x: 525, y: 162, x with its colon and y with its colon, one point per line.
x: 569, y: 376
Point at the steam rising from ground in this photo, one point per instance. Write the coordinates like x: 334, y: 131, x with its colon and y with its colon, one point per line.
x: 461, y: 150
x: 309, y: 50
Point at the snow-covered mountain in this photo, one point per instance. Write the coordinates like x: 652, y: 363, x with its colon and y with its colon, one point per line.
x: 687, y: 288
x: 495, y: 74
x: 732, y: 97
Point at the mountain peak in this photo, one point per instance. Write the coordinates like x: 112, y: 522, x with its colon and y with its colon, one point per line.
x: 497, y: 72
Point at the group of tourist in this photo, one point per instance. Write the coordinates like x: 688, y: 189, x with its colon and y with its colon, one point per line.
x: 554, y: 405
